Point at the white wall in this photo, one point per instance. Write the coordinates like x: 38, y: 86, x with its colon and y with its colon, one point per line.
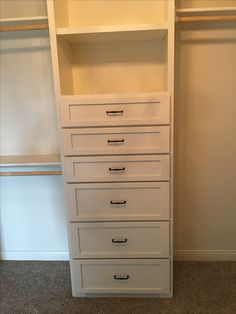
x: 205, y: 164
x: 33, y: 220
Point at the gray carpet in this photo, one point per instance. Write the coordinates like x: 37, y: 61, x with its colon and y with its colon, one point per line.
x: 44, y: 287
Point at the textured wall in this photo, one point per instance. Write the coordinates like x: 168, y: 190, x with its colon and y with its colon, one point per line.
x: 205, y: 141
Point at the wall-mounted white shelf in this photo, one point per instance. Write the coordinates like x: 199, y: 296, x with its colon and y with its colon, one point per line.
x: 25, y: 20
x: 30, y: 160
x: 214, y: 14
x: 23, y: 23
x: 30, y: 165
x: 212, y: 10
x: 113, y: 33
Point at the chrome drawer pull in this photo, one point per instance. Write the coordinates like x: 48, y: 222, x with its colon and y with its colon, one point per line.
x: 117, y: 169
x: 110, y: 142
x: 121, y: 277
x: 118, y: 202
x: 114, y: 112
x: 119, y: 241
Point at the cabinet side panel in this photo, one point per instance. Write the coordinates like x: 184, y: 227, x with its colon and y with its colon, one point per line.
x: 65, y: 68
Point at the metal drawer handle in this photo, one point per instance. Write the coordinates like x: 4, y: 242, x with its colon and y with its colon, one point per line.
x: 118, y: 202
x: 119, y: 241
x: 114, y: 112
x: 117, y: 169
x: 110, y: 142
x: 116, y: 277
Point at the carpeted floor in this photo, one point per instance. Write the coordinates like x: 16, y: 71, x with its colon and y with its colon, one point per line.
x: 44, y: 287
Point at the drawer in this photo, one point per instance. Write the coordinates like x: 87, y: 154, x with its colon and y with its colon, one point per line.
x: 118, y: 201
x: 121, y: 276
x: 116, y: 141
x: 117, y: 168
x: 115, y: 111
x: 120, y: 240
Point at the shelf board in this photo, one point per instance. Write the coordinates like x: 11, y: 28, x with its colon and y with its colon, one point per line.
x: 30, y: 160
x: 114, y: 98
x: 210, y: 10
x: 25, y: 20
x: 113, y: 33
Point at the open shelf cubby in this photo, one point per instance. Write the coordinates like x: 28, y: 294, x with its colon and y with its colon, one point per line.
x: 112, y: 66
x: 102, y: 48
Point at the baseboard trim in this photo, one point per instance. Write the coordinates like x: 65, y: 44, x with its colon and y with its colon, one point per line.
x: 35, y: 255
x: 205, y: 255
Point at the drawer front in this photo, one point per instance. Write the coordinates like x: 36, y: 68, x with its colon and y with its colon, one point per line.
x: 120, y: 240
x: 80, y: 113
x: 117, y: 169
x: 118, y: 201
x: 121, y: 276
x: 116, y: 141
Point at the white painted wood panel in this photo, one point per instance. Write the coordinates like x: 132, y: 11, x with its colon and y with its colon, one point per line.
x: 120, y: 240
x: 100, y: 110
x: 116, y: 141
x: 117, y: 169
x: 118, y: 201
x: 139, y: 276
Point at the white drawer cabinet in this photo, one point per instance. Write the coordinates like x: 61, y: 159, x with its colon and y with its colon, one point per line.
x: 114, y: 77
x: 120, y: 240
x: 116, y: 141
x: 121, y: 276
x: 86, y: 112
x: 117, y: 169
x: 118, y: 201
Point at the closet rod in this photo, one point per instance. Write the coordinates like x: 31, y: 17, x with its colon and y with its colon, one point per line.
x: 13, y: 28
x: 188, y: 19
x: 31, y: 173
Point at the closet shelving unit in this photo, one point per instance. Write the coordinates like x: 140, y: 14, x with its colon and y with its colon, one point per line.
x: 27, y: 164
x: 113, y: 64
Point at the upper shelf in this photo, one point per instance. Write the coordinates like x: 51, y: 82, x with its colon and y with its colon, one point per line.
x: 113, y: 33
